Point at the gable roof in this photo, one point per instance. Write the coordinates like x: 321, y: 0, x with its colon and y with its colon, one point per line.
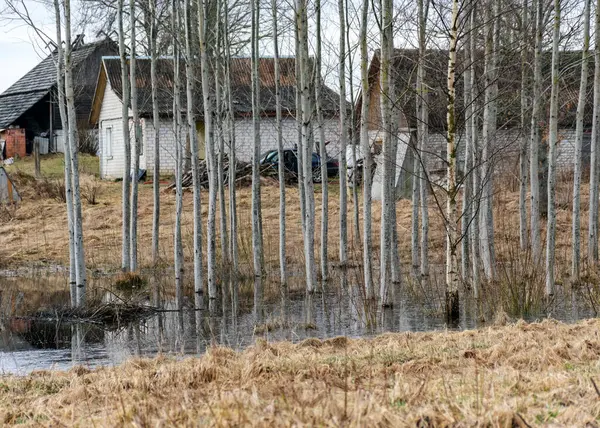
x: 404, y: 73
x: 37, y: 83
x: 240, y: 82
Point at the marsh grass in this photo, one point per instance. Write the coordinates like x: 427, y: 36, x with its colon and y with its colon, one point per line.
x: 515, y: 375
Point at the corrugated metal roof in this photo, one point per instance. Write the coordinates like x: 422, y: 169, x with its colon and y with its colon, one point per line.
x: 32, y: 87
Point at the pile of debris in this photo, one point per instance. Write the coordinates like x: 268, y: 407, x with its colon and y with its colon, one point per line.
x: 243, y: 174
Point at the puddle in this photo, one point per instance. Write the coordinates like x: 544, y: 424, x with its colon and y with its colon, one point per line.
x: 336, y: 309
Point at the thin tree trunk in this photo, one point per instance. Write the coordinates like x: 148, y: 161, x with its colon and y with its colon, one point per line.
x: 575, y: 267
x: 281, y: 165
x: 475, y: 158
x: 125, y: 245
x: 73, y: 141
x: 523, y: 160
x: 180, y: 155
x: 135, y: 152
x: 364, y: 140
x: 422, y: 134
x: 467, y: 198
x: 387, y: 201
x: 307, y: 114
x: 452, y: 308
x: 552, y: 140
x: 257, y: 241
x: 208, y: 143
x: 593, y: 209
x: 343, y: 140
x: 322, y: 149
x: 534, y: 144
x: 218, y: 66
x: 156, y: 122
x: 68, y: 173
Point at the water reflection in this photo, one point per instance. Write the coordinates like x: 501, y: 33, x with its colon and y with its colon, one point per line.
x: 336, y: 308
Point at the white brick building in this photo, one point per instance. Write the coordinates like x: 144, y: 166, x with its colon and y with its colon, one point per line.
x: 107, y: 115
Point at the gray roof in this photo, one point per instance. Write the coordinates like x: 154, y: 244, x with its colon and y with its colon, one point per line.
x: 32, y: 87
x: 240, y: 83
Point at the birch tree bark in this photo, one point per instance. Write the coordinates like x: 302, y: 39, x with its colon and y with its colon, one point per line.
x: 280, y: 165
x: 387, y: 202
x: 135, y: 149
x: 180, y: 161
x: 307, y: 115
x: 125, y: 245
x: 593, y: 208
x: 209, y: 146
x: 343, y: 222
x: 68, y: 173
x: 534, y: 144
x: 576, y: 253
x: 523, y: 159
x: 257, y: 239
x: 73, y: 141
x: 467, y: 198
x: 452, y: 302
x: 552, y: 141
x: 322, y: 148
x: 366, y: 148
x: 156, y: 122
x: 422, y: 133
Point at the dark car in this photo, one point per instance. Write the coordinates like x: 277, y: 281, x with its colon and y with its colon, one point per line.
x: 290, y: 162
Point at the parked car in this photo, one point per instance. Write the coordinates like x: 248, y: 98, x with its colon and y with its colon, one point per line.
x: 290, y: 162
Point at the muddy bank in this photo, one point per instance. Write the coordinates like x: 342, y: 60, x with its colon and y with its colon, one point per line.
x: 516, y: 375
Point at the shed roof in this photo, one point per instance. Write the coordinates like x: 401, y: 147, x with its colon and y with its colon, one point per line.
x: 240, y: 82
x: 32, y: 87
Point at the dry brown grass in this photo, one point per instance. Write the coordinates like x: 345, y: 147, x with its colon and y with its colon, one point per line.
x: 506, y: 376
x: 36, y: 231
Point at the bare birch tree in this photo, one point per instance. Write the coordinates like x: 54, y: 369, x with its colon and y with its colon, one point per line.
x: 322, y: 148
x: 576, y: 253
x: 343, y: 139
x: 552, y: 141
x: 153, y: 40
x: 387, y: 201
x: 135, y: 149
x: 595, y: 143
x: 534, y: 143
x: 126, y: 232
x: 366, y: 148
x: 73, y: 141
x: 452, y: 302
x: 68, y: 172
x: 280, y: 165
x: 523, y: 155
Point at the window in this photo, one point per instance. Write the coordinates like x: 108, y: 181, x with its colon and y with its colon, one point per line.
x: 108, y: 142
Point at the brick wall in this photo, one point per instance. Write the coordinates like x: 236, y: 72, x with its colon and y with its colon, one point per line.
x: 15, y: 143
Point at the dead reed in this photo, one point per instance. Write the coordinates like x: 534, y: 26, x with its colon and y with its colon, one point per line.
x: 511, y: 376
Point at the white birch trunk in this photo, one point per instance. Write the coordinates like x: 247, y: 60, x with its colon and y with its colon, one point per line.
x: 467, y: 197
x: 125, y: 245
x: 135, y: 149
x: 523, y: 159
x: 576, y: 253
x: 68, y: 173
x: 307, y: 115
x: 257, y: 241
x: 322, y: 149
x: 364, y: 140
x: 387, y: 202
x: 452, y: 305
x: 180, y: 160
x: 280, y: 165
x: 593, y: 209
x: 73, y: 141
x: 343, y: 140
x: 552, y: 141
x: 208, y: 143
x: 534, y: 144
x: 156, y: 123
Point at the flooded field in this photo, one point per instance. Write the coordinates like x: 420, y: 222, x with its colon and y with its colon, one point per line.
x: 337, y: 309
